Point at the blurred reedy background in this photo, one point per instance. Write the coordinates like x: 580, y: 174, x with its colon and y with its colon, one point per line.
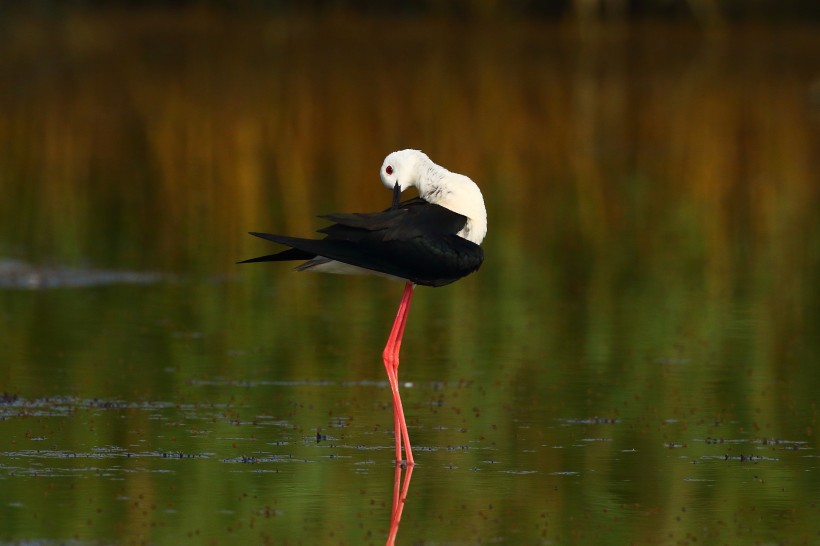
x: 651, y: 176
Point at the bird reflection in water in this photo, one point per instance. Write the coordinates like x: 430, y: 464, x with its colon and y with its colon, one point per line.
x: 400, y: 489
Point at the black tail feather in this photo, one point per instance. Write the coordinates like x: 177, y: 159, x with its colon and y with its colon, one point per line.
x: 285, y: 255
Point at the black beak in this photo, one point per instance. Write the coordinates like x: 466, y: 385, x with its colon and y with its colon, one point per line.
x: 396, y: 197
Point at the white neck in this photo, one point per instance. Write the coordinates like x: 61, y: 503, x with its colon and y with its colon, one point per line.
x: 453, y: 191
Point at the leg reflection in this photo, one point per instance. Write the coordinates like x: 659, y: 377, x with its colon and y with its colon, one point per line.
x: 399, y: 499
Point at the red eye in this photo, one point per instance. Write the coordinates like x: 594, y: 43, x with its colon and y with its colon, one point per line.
x: 389, y: 169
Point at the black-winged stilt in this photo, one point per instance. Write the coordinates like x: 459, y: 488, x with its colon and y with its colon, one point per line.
x: 430, y: 240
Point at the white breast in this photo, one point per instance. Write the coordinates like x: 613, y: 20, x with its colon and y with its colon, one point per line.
x: 459, y: 194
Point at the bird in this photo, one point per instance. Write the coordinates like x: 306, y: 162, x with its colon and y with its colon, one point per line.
x: 430, y: 240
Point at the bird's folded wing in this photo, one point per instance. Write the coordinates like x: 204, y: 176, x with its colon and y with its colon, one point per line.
x: 418, y: 241
x: 414, y: 218
x: 422, y: 260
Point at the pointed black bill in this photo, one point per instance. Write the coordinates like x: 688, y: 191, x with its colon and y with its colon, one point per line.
x: 396, y: 197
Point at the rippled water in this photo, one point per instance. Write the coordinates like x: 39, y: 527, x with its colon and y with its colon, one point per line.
x: 137, y: 420
x: 635, y: 363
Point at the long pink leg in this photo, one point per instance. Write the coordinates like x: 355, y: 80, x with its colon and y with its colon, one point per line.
x: 407, y: 296
x: 387, y: 356
x: 391, y: 365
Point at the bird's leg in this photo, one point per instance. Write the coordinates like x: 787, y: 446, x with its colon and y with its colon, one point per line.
x: 406, y: 298
x: 388, y: 356
x: 391, y: 365
x: 405, y: 307
x: 391, y: 378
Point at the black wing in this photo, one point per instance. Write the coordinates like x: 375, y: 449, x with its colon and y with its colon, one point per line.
x: 416, y: 241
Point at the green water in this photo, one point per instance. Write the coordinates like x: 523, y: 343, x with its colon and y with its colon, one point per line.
x: 190, y: 412
x: 635, y: 363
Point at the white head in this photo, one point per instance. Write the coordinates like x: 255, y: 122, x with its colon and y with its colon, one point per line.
x: 402, y: 167
x: 412, y: 168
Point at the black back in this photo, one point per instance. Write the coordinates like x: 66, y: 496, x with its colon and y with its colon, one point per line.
x: 416, y: 241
